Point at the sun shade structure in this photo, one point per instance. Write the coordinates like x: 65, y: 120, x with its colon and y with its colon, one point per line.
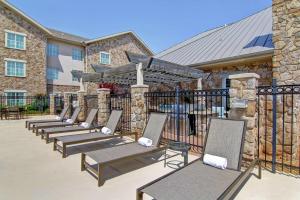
x: 141, y: 70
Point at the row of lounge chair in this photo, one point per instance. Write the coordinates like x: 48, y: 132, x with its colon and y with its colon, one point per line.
x: 197, y: 180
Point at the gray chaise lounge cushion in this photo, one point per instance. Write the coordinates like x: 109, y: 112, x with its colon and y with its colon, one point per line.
x: 62, y: 115
x: 153, y: 131
x: 74, y: 118
x: 199, y: 181
x: 118, y: 152
x: 225, y: 139
x: 194, y: 182
x: 112, y: 124
x: 89, y: 120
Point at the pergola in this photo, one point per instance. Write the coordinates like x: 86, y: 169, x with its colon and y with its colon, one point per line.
x: 141, y: 70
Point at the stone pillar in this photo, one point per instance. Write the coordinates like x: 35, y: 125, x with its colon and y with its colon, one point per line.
x: 67, y: 97
x: 103, y: 105
x: 52, y: 104
x: 243, y: 106
x: 286, y: 69
x: 80, y: 98
x: 138, y: 108
x: 286, y: 39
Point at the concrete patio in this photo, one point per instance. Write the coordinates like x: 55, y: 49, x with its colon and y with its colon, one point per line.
x: 29, y: 169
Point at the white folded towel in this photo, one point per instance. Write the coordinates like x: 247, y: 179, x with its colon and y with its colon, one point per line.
x: 145, y: 142
x: 84, y: 125
x: 58, y: 118
x: 106, y: 131
x: 215, y: 161
x: 70, y: 121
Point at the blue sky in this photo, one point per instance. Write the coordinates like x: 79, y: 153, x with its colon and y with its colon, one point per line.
x: 160, y: 23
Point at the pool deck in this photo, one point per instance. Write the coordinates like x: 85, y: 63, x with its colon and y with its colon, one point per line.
x: 30, y: 169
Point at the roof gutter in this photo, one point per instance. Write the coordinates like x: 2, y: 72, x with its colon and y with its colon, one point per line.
x: 234, y: 60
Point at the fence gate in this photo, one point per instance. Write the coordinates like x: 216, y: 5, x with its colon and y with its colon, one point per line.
x: 189, y: 112
x: 90, y: 102
x: 279, y: 127
x: 122, y: 102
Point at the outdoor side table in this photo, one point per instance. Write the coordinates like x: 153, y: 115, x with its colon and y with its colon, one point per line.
x: 178, y: 146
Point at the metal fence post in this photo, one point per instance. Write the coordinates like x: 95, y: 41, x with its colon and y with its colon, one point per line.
x: 177, y: 113
x: 274, y: 131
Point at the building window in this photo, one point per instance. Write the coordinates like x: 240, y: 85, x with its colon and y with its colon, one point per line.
x: 104, y: 58
x: 14, y: 98
x: 15, y: 40
x: 15, y: 68
x: 52, y: 50
x: 74, y: 78
x: 77, y: 54
x: 52, y: 73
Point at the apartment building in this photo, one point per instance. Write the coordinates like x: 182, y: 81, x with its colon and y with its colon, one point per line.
x: 38, y: 60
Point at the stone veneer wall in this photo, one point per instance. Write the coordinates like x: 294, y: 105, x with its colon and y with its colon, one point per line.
x: 138, y: 108
x: 35, y: 55
x: 286, y: 39
x: 243, y: 86
x: 116, y: 46
x: 262, y: 68
x: 52, y: 89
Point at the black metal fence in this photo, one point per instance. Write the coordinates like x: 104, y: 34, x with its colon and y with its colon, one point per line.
x: 28, y: 104
x: 279, y: 127
x: 58, y: 104
x: 189, y: 112
x: 122, y: 102
x: 73, y: 102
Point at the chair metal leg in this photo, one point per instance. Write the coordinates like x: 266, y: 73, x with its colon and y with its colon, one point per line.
x: 64, y: 151
x: 139, y: 195
x: 100, y: 175
x: 54, y: 144
x: 259, y: 169
x: 82, y: 162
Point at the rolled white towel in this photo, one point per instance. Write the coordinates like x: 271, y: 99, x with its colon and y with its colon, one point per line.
x: 84, y: 125
x: 58, y: 118
x: 106, y: 131
x: 215, y: 161
x: 70, y: 121
x: 145, y: 142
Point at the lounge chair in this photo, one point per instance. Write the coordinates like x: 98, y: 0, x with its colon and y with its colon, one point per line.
x: 107, y: 156
x: 89, y: 120
x: 112, y: 124
x: 62, y: 115
x: 199, y: 181
x: 37, y: 126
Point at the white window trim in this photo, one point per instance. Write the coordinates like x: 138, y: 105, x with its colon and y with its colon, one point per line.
x: 16, y: 91
x: 15, y: 60
x: 104, y: 52
x: 17, y: 33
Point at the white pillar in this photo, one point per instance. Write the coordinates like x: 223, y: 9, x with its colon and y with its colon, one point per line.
x: 81, y: 85
x: 199, y: 84
x: 139, y: 74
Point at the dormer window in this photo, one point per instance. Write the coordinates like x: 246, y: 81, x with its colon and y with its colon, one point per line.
x: 15, y: 40
x: 105, y: 58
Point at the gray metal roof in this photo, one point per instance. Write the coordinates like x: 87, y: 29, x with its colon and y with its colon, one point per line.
x: 249, y: 36
x: 67, y: 36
